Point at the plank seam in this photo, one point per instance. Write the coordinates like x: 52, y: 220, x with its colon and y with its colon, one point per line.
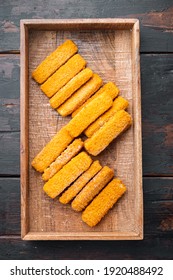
x: 10, y: 236
x: 9, y: 131
x: 9, y: 52
x: 8, y: 176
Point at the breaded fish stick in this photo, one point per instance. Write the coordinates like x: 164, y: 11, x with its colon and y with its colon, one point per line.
x: 52, y: 62
x: 108, y: 132
x: 65, y: 157
x: 52, y: 150
x: 92, y: 188
x: 101, y: 204
x: 119, y: 104
x: 63, y: 75
x: 88, y: 114
x: 80, y: 96
x: 110, y: 88
x: 76, y: 187
x: 65, y: 176
x: 66, y: 91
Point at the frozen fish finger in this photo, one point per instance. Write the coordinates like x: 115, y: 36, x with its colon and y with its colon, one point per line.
x: 119, y: 103
x: 52, y: 62
x: 92, y: 188
x: 89, y: 114
x: 52, y: 150
x: 75, y: 83
x: 102, y: 203
x: 76, y: 187
x: 67, y: 175
x: 110, y: 88
x: 65, y: 157
x: 80, y: 96
x: 63, y: 75
x: 108, y: 132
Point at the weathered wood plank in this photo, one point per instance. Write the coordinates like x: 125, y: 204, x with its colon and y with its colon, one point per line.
x: 150, y: 248
x: 157, y: 104
x: 158, y: 207
x: 10, y: 93
x: 155, y: 18
x: 9, y: 206
x: 9, y: 153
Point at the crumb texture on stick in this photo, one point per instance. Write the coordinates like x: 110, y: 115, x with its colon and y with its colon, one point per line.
x: 102, y: 203
x: 67, y: 175
x: 52, y: 62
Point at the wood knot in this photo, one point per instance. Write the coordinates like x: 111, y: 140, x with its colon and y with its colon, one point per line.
x: 166, y: 224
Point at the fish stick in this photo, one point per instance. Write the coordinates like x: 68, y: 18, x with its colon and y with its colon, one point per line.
x: 108, y: 132
x: 92, y: 188
x: 89, y: 114
x: 65, y: 157
x: 80, y: 96
x: 52, y: 150
x: 102, y: 203
x: 76, y: 187
x: 52, y: 62
x: 119, y: 104
x: 75, y: 83
x: 67, y: 175
x: 110, y: 88
x: 63, y: 75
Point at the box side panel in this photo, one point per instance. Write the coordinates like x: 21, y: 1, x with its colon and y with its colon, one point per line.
x: 24, y: 129
x: 109, y: 54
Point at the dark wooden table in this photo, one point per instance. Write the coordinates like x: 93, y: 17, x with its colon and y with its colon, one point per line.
x: 156, y: 22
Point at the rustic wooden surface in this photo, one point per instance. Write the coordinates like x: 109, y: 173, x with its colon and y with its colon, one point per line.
x: 157, y: 83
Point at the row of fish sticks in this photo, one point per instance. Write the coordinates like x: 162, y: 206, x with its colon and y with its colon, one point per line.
x: 79, y: 180
x: 99, y: 113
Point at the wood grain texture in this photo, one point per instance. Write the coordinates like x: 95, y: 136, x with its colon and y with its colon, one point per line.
x: 152, y: 248
x: 9, y: 153
x: 155, y: 18
x: 10, y: 92
x: 100, y: 42
x: 158, y: 197
x: 157, y: 104
x: 9, y: 206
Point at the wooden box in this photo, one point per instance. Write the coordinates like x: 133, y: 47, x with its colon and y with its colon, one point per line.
x: 111, y: 49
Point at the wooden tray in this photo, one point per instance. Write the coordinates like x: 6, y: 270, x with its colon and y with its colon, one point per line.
x: 111, y: 48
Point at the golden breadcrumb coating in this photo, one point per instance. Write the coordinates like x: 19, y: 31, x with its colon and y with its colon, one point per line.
x: 52, y: 62
x: 74, y: 84
x: 92, y: 188
x: 119, y: 104
x: 67, y: 175
x: 80, y: 96
x: 52, y: 150
x: 110, y: 88
x: 89, y: 114
x: 63, y: 75
x: 102, y: 203
x: 76, y: 187
x: 65, y: 157
x: 108, y: 132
